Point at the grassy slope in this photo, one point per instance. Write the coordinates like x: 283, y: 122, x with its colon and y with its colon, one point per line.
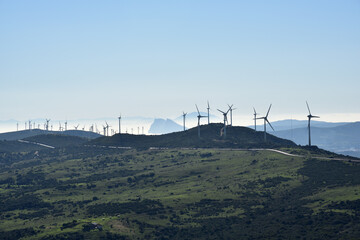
x: 176, y: 194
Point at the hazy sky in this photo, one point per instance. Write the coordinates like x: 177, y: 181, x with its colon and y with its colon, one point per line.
x: 91, y: 59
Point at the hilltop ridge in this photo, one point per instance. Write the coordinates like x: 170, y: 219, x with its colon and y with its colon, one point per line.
x: 237, y: 137
x: 11, y: 136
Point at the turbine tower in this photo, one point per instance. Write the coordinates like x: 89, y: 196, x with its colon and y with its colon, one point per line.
x: 208, y: 110
x: 199, y: 117
x: 225, y: 119
x: 29, y: 124
x: 266, y: 120
x: 255, y: 114
x: 309, y: 119
x: 231, y: 109
x: 184, y: 116
x: 119, y: 123
x: 66, y: 125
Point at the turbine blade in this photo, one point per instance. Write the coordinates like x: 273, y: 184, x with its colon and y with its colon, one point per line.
x: 197, y: 109
x: 268, y: 110
x: 221, y: 111
x: 270, y: 125
x: 308, y: 107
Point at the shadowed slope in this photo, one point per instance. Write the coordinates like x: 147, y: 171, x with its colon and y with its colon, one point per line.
x: 237, y: 137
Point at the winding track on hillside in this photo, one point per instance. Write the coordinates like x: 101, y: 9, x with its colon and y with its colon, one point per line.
x: 218, y: 149
x: 40, y: 144
x: 239, y: 149
x: 266, y: 149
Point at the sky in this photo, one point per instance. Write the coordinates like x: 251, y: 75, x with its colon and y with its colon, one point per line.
x: 92, y: 59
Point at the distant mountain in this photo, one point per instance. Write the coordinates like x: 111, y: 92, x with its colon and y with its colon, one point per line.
x: 9, y: 136
x: 293, y: 124
x: 162, y: 126
x: 343, y: 139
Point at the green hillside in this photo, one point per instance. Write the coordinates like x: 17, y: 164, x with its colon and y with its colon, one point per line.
x: 176, y: 194
x: 237, y: 137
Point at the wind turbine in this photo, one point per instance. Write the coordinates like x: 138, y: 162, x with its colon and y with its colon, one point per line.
x: 17, y: 126
x: 309, y: 119
x: 184, y: 116
x: 60, y: 126
x: 199, y: 117
x: 208, y: 109
x: 107, y: 128
x: 29, y: 124
x: 225, y: 119
x: 266, y: 120
x: 255, y: 114
x: 119, y: 123
x: 47, y: 124
x: 231, y: 109
x: 104, y: 130
x: 76, y: 127
x: 66, y: 125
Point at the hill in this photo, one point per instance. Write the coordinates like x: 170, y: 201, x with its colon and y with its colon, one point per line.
x: 343, y: 139
x: 57, y: 140
x: 37, y: 142
x: 102, y: 193
x: 237, y: 137
x: 163, y: 126
x: 12, y: 136
x: 16, y: 146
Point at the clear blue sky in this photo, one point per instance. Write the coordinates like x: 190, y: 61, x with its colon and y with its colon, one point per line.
x: 90, y: 59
